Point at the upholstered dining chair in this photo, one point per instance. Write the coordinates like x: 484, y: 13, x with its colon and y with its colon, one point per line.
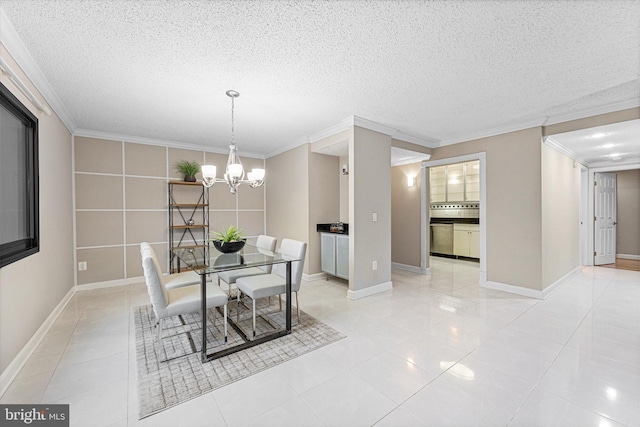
x: 267, y: 285
x: 182, y: 300
x: 266, y: 243
x: 175, y: 280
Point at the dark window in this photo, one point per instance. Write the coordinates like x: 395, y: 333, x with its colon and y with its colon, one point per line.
x: 19, y: 234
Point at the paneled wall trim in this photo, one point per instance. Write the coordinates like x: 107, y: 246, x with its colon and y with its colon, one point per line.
x: 121, y: 201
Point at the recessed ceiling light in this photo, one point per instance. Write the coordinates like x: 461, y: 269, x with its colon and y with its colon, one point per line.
x: 598, y: 135
x: 609, y: 145
x: 615, y: 156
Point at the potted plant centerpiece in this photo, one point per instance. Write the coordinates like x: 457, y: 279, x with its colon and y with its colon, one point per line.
x: 228, y: 240
x: 188, y: 169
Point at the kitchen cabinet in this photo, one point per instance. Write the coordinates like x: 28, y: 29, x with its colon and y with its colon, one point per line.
x: 458, y: 182
x: 472, y: 181
x: 334, y: 254
x: 466, y: 240
x: 438, y: 180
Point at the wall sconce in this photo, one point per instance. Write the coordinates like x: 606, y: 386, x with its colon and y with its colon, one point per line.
x: 411, y: 180
x: 345, y: 171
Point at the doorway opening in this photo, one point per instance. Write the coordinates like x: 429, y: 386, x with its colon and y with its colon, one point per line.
x: 615, y: 203
x: 467, y: 205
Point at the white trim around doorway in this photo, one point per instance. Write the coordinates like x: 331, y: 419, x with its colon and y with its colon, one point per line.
x: 482, y: 157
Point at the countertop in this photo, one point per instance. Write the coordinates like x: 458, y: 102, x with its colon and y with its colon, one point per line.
x: 326, y: 228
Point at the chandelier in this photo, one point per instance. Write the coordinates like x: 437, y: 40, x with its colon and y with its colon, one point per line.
x: 234, y: 174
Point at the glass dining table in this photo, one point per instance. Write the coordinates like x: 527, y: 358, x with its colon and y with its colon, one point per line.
x: 216, y: 262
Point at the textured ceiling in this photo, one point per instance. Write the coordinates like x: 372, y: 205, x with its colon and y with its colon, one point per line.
x: 438, y: 70
x: 604, y: 145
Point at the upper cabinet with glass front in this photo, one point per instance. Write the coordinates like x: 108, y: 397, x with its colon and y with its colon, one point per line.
x: 438, y: 180
x: 459, y: 182
x: 472, y: 181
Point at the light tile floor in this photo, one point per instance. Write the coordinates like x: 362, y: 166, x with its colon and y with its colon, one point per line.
x: 436, y: 351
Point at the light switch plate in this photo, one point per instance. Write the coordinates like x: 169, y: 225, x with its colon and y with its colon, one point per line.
x: 375, y: 217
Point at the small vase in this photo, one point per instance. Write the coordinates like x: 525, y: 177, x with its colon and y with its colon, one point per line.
x: 190, y: 178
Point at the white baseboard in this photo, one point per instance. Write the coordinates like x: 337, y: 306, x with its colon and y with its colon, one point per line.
x: 313, y: 277
x: 518, y: 290
x: 18, y: 362
x: 110, y: 283
x: 527, y: 292
x: 626, y: 256
x: 412, y: 268
x: 555, y: 285
x: 371, y: 290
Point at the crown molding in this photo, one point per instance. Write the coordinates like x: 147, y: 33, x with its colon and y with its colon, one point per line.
x: 562, y: 149
x: 392, y: 132
x: 158, y: 142
x: 371, y: 125
x: 616, y: 165
x: 605, y: 109
x: 412, y: 160
x: 425, y: 142
x: 492, y: 132
x: 19, y: 52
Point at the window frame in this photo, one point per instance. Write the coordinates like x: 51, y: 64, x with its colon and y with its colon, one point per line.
x: 22, y: 248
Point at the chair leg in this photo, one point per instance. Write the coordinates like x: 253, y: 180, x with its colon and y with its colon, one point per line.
x: 280, y: 301
x: 297, y: 306
x: 238, y: 307
x: 225, y: 323
x: 254, y: 317
x: 159, y: 335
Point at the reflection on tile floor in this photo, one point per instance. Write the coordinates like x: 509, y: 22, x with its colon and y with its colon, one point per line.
x: 436, y: 351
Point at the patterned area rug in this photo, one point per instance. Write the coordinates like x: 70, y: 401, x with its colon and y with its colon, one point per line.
x: 163, y: 384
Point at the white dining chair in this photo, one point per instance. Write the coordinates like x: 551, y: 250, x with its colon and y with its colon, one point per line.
x: 263, y: 242
x: 182, y: 300
x: 174, y: 280
x: 267, y: 285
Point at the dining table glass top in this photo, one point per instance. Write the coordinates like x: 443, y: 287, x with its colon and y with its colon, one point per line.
x: 249, y: 256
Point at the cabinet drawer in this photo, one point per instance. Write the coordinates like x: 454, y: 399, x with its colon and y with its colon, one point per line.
x: 466, y: 227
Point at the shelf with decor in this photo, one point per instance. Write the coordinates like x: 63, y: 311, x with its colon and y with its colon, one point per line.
x: 188, y: 221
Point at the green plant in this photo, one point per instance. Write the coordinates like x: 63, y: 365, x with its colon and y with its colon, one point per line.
x: 188, y: 168
x: 229, y: 234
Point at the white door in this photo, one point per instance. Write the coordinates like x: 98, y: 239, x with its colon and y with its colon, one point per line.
x: 605, y: 221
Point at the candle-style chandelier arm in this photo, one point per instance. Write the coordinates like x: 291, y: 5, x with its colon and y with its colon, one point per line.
x: 234, y: 174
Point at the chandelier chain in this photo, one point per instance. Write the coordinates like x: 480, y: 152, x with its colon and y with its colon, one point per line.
x: 233, y: 142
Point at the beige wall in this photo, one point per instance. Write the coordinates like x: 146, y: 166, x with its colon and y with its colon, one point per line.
x: 287, y: 193
x: 405, y: 215
x: 32, y: 287
x: 560, y: 215
x: 121, y: 201
x: 344, y: 191
x: 514, y: 211
x: 628, y: 229
x: 324, y: 201
x: 370, y: 191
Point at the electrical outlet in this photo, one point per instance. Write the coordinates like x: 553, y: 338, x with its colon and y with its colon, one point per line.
x: 374, y: 265
x: 82, y: 266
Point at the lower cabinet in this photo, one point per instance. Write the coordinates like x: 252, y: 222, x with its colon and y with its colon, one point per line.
x: 334, y: 249
x: 466, y: 240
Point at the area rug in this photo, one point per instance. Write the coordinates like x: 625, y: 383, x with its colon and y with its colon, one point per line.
x: 173, y: 372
